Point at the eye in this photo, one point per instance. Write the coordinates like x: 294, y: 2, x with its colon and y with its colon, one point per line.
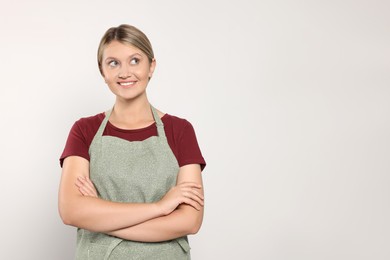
x: 134, y: 61
x: 113, y: 63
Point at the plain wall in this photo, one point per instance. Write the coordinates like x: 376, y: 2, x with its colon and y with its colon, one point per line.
x: 289, y: 99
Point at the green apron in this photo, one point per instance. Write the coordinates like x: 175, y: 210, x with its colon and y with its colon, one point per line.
x: 136, y: 172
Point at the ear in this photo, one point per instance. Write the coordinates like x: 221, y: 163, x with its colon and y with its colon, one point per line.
x: 152, y: 67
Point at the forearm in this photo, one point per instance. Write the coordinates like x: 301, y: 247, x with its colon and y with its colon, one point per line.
x: 183, y: 221
x: 92, y: 213
x: 80, y: 207
x: 102, y: 216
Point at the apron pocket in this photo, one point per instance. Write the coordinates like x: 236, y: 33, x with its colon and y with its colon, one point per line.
x: 183, y: 242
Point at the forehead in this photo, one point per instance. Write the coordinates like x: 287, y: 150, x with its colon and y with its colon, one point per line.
x: 119, y: 49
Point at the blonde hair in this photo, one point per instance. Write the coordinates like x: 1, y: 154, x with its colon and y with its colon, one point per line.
x: 126, y: 34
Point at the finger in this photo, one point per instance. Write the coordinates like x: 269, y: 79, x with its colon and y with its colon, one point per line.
x: 83, y: 191
x: 197, y: 193
x: 87, y: 192
x: 192, y: 203
x: 79, y: 182
x: 91, y: 185
x: 81, y: 179
x: 91, y: 190
x: 84, y: 181
x: 190, y: 185
x: 193, y: 191
x: 88, y: 180
x: 83, y: 188
x: 195, y: 198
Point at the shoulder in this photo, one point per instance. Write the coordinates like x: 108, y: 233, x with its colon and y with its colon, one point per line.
x: 179, y: 129
x: 177, y: 124
x: 80, y: 136
x: 86, y: 127
x: 90, y: 122
x: 182, y: 135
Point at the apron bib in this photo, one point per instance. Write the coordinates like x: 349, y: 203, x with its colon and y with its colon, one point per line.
x: 133, y: 172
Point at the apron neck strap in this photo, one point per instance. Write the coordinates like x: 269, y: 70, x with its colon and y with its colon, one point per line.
x: 159, y: 123
x: 104, y: 123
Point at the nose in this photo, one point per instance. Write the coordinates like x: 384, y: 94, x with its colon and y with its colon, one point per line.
x: 124, y: 72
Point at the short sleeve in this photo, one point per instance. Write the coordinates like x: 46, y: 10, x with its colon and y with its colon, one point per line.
x: 76, y: 144
x: 188, y: 148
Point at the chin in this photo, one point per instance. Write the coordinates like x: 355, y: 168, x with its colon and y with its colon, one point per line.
x: 131, y: 97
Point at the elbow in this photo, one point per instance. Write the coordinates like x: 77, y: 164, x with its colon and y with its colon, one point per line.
x: 66, y: 218
x: 191, y: 220
x: 67, y: 215
x: 195, y: 226
x: 194, y: 229
x: 70, y: 210
x: 66, y: 221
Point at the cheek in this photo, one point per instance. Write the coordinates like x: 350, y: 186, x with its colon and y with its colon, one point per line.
x: 109, y: 80
x: 109, y: 76
x: 143, y: 72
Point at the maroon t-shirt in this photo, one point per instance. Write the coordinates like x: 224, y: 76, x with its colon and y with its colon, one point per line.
x: 180, y: 134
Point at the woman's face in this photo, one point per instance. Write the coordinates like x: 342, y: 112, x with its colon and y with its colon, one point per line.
x: 126, y: 70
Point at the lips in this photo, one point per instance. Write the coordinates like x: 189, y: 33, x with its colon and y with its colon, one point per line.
x: 127, y: 84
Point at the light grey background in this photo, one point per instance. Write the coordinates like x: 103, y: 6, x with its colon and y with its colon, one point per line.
x: 289, y: 100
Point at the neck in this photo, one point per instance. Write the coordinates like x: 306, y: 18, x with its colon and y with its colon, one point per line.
x: 132, y: 111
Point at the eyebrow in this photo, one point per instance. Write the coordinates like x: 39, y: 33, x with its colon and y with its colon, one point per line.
x: 131, y: 56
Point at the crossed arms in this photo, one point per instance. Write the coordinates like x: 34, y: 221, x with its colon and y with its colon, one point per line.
x: 178, y: 213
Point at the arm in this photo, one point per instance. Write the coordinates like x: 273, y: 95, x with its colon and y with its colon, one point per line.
x: 183, y: 221
x: 103, y: 216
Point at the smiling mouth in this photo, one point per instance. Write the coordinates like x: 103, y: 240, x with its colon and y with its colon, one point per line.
x: 127, y: 84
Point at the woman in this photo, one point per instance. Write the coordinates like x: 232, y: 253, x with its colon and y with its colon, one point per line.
x: 131, y: 179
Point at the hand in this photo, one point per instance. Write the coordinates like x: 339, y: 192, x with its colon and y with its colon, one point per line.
x: 86, y: 187
x: 186, y: 192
